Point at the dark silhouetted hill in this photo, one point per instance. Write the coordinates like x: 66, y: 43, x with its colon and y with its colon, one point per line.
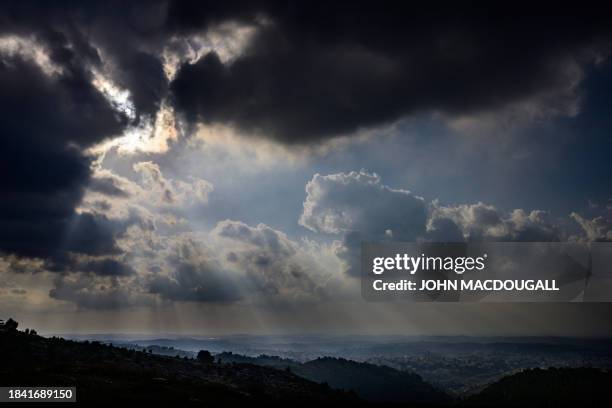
x: 553, y: 387
x: 107, y: 374
x: 370, y: 382
x: 104, y: 374
x: 263, y: 360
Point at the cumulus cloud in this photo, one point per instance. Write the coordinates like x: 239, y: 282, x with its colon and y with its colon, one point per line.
x: 76, y: 77
x: 98, y: 254
x: 598, y: 228
x: 185, y: 269
x: 239, y: 262
x: 273, y: 264
x: 480, y: 221
x: 234, y: 262
x: 151, y: 255
x: 358, y: 207
x: 167, y: 192
x: 152, y: 200
x: 358, y: 201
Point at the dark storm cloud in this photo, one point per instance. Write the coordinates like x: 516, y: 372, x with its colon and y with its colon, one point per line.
x: 316, y: 70
x: 80, y: 262
x: 106, y: 267
x: 45, y: 123
x: 130, y: 36
x: 143, y: 75
x: 313, y: 72
x: 49, y: 119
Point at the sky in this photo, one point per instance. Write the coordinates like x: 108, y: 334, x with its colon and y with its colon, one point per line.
x: 194, y: 168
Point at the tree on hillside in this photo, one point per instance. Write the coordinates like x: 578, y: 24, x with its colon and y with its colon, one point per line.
x: 10, y: 325
x: 205, y: 357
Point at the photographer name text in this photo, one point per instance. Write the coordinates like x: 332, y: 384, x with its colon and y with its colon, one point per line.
x: 467, y: 285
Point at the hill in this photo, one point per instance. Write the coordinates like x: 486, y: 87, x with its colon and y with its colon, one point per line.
x: 107, y: 374
x: 553, y: 387
x: 369, y: 381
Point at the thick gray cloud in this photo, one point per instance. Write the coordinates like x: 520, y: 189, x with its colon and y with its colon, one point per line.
x: 90, y: 291
x: 232, y: 263
x: 312, y: 72
x: 357, y: 207
x: 47, y: 120
x: 53, y: 113
x: 125, y: 39
x: 303, y: 74
x: 273, y: 264
x: 237, y: 262
x: 100, y: 266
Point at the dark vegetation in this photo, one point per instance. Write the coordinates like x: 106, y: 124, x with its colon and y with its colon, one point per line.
x: 553, y: 387
x: 371, y: 382
x: 205, y: 357
x: 106, y: 374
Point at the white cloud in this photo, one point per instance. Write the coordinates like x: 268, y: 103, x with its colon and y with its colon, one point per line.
x: 165, y: 192
x: 598, y: 228
x: 358, y: 201
x: 29, y: 49
x: 274, y: 264
x: 484, y: 222
x: 360, y: 208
